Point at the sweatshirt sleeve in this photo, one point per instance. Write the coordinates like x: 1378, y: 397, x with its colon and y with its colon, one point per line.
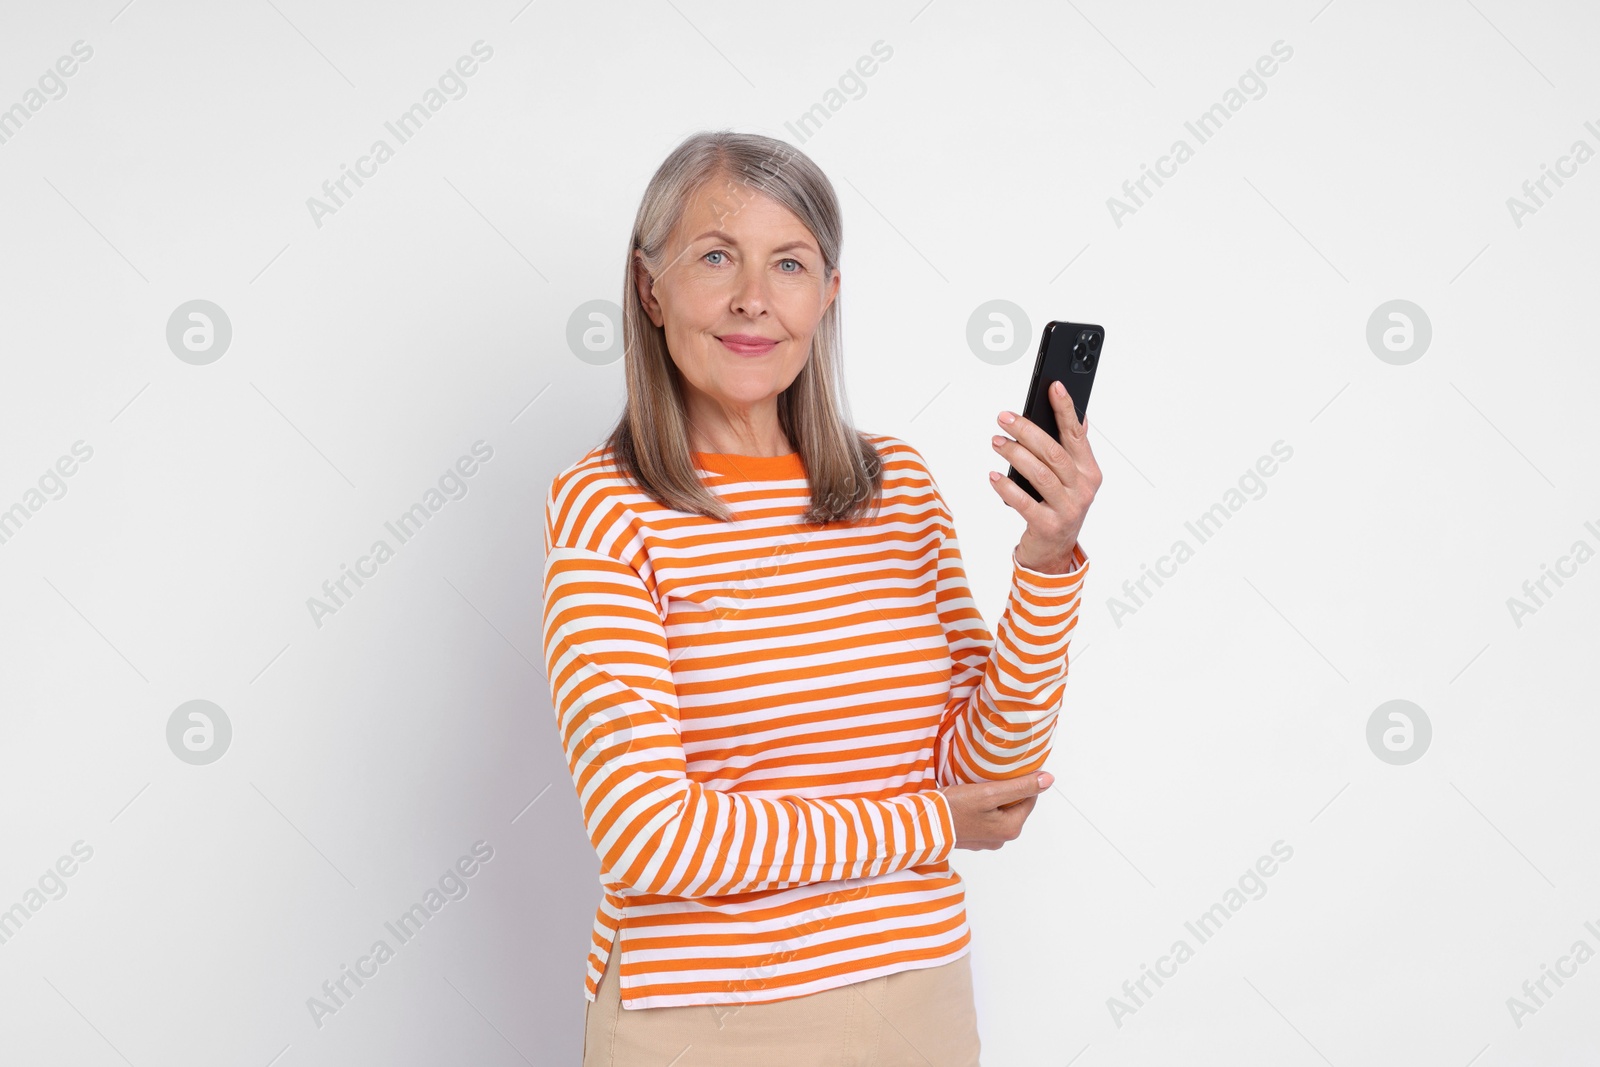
x: 1005, y: 692
x: 655, y: 829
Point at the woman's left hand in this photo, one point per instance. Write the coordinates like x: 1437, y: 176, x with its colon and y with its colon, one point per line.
x: 1065, y: 474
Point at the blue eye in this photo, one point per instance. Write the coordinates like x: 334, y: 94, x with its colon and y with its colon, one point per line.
x: 719, y: 252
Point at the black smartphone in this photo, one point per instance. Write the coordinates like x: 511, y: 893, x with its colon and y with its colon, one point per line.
x: 1069, y: 353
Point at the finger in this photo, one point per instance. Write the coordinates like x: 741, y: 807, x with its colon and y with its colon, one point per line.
x: 1075, y: 436
x: 1072, y: 432
x: 1066, y: 412
x: 1020, y: 805
x: 1075, y: 439
x: 1043, y: 460
x: 1020, y: 787
x: 1016, y: 813
x: 1014, y: 495
x: 1052, y: 484
x: 1019, y: 809
x: 979, y: 844
x: 1007, y: 825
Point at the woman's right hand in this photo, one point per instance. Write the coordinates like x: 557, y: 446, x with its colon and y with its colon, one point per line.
x: 988, y: 814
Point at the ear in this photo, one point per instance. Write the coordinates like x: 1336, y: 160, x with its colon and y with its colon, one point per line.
x: 833, y: 290
x: 646, y: 286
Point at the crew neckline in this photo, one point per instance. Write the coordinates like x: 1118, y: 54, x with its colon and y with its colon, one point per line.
x: 753, y: 468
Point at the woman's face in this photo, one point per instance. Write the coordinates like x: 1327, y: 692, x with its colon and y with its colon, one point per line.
x: 739, y: 299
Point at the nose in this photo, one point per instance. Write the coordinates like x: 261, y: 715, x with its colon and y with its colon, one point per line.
x: 750, y: 290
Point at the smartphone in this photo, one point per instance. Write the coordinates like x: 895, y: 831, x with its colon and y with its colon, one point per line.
x: 1069, y: 353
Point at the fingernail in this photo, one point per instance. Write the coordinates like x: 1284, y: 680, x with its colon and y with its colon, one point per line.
x: 1058, y: 389
x: 1006, y: 418
x: 1046, y: 779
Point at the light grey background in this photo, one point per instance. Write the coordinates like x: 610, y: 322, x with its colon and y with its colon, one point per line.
x: 431, y: 311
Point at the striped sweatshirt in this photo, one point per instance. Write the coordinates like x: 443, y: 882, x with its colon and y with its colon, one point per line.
x: 757, y: 713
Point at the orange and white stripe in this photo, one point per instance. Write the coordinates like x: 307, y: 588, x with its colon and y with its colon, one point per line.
x: 756, y: 713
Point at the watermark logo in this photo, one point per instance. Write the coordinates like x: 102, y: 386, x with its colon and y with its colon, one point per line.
x: 756, y: 976
x: 452, y: 85
x: 1204, y: 127
x: 852, y: 81
x: 608, y: 737
x: 999, y: 333
x: 199, y: 332
x: 51, y: 486
x: 452, y: 485
x: 452, y: 886
x: 1251, y: 885
x: 1252, y: 485
x: 51, y: 885
x: 1536, y: 991
x: 1538, y: 591
x: 594, y: 332
x: 199, y: 732
x: 52, y: 86
x: 1398, y: 332
x: 1536, y: 191
x: 737, y: 192
x: 1398, y: 732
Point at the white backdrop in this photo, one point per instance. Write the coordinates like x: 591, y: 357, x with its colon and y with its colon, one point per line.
x: 182, y: 492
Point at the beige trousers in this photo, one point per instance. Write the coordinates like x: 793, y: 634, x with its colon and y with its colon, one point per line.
x: 917, y: 1018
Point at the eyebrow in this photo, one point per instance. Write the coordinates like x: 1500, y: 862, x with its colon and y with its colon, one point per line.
x: 807, y: 245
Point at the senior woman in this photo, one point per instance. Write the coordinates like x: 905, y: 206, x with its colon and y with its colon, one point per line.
x: 780, y: 707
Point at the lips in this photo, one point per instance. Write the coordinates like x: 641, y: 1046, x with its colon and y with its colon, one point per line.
x: 746, y: 344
